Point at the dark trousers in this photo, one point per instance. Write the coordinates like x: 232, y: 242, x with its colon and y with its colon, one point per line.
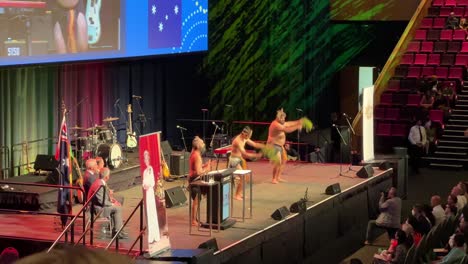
x: 372, y: 227
x: 415, y: 153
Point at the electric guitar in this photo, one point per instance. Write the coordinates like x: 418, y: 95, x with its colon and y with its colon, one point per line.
x: 131, y: 135
x: 93, y: 18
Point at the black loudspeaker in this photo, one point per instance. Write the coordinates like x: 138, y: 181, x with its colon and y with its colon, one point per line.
x: 298, y: 207
x: 179, y: 163
x: 175, y: 197
x: 280, y: 213
x: 384, y: 165
x: 365, y: 172
x: 210, y: 244
x: 333, y: 189
x: 167, y: 151
x: 45, y: 163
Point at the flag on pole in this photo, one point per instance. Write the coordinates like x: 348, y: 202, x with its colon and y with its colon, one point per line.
x: 62, y: 155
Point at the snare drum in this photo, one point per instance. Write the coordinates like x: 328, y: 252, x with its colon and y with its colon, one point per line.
x: 83, y: 144
x: 105, y: 135
x: 94, y: 140
x: 111, y: 154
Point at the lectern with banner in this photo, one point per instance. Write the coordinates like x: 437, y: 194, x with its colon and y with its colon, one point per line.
x: 224, y: 177
x: 368, y: 123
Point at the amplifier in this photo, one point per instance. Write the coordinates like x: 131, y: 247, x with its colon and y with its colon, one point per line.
x: 179, y: 163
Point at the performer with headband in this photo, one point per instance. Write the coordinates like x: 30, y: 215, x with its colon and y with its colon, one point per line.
x: 277, y: 138
x: 238, y: 153
x: 196, y: 170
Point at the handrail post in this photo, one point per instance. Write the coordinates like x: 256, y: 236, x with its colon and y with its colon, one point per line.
x: 141, y: 226
x: 91, y: 231
x: 84, y: 228
x: 72, y: 233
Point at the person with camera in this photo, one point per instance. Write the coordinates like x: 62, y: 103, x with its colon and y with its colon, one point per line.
x: 389, y: 217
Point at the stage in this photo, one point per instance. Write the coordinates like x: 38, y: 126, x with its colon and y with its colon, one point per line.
x: 246, y: 236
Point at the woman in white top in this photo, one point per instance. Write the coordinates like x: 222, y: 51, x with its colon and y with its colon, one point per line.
x: 150, y: 201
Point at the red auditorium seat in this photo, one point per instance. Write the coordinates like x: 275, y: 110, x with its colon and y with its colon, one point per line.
x: 420, y: 59
x: 413, y: 100
x: 433, y: 59
x: 459, y: 11
x: 462, y: 2
x: 447, y: 59
x: 459, y: 34
x: 386, y: 99
x: 456, y: 73
x: 441, y: 72
x: 427, y: 46
x: 461, y: 60
x: 420, y: 34
x: 433, y: 11
x: 407, y: 59
x: 438, y: 3
x: 408, y: 84
x: 399, y: 130
x: 426, y: 23
x: 379, y: 113
x: 445, y: 11
x: 392, y: 114
x: 414, y: 72
x: 383, y: 129
x: 450, y: 3
x: 401, y: 71
x: 454, y: 46
x: 399, y: 99
x: 437, y: 116
x: 439, y: 22
x: 464, y: 48
x: 393, y: 85
x: 446, y: 34
x: 413, y: 46
x: 433, y: 34
x: 428, y: 71
x: 440, y: 46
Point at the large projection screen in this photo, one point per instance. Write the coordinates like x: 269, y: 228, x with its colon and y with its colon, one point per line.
x: 373, y: 10
x: 50, y: 31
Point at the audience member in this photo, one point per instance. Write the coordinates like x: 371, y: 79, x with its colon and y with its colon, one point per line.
x: 427, y: 212
x: 9, y: 255
x: 99, y: 163
x: 389, y: 217
x: 451, y: 211
x: 464, y: 25
x: 457, y: 252
x: 417, y: 138
x: 424, y: 225
x: 427, y: 100
x: 399, y: 255
x: 292, y: 153
x: 448, y: 93
x: 91, y: 174
x: 452, y: 21
x: 437, y: 210
x: 431, y: 135
x: 461, y: 199
x: 415, y: 225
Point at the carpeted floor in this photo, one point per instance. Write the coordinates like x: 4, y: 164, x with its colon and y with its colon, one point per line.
x: 420, y: 189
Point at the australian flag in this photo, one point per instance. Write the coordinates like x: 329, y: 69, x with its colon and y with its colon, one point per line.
x: 164, y: 23
x: 62, y: 155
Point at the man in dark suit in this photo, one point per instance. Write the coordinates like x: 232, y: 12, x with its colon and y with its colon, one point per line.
x: 91, y: 175
x: 103, y: 200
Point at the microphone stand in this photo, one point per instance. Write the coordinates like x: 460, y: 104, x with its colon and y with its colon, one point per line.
x: 341, y: 155
x: 299, y: 111
x: 120, y: 114
x: 183, y: 139
x: 350, y: 129
x: 141, y: 117
x: 212, y: 138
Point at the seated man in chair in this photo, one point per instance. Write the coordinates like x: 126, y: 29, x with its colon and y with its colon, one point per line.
x: 103, y: 200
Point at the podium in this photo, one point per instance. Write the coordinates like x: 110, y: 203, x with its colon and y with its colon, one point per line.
x: 224, y: 177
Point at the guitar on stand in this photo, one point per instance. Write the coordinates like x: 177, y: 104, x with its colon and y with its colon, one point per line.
x: 131, y: 135
x: 93, y: 9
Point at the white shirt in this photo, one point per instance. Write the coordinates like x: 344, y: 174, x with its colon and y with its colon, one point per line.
x: 461, y: 201
x: 439, y: 214
x: 415, y: 137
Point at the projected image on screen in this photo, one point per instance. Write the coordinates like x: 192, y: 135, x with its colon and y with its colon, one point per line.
x: 372, y: 10
x: 46, y: 31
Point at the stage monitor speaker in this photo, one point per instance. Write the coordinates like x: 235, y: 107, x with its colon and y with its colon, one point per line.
x: 167, y: 150
x: 280, y: 213
x: 210, y: 244
x: 298, y: 207
x: 333, y: 189
x: 175, y: 197
x: 385, y: 165
x: 179, y: 163
x: 45, y: 162
x: 365, y: 172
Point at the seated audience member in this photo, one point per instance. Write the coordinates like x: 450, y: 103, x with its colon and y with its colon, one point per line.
x: 452, y: 200
x: 416, y: 226
x: 397, y: 256
x: 292, y: 153
x: 103, y: 200
x: 417, y: 138
x: 389, y: 217
x: 457, y: 251
x: 9, y: 255
x: 448, y: 93
x: 91, y: 174
x: 437, y: 209
x: 99, y: 163
x: 427, y: 101
x: 451, y: 211
x: 409, y: 230
x: 463, y: 25
x: 452, y: 21
x: 461, y: 199
x: 427, y: 212
x: 424, y: 224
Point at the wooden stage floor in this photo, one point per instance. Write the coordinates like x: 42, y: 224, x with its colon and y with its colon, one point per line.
x: 267, y: 198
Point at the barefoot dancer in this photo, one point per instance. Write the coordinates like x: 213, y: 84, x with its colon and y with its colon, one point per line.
x: 196, y: 169
x: 277, y: 138
x: 238, y: 153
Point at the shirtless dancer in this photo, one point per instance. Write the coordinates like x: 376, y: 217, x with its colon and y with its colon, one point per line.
x: 238, y: 153
x: 277, y: 138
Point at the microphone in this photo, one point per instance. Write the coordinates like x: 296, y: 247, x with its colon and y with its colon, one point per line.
x: 299, y: 110
x: 214, y: 124
x: 136, y: 96
x: 182, y: 128
x: 228, y: 106
x: 347, y: 116
x: 116, y: 102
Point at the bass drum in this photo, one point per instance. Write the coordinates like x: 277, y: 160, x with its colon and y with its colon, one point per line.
x: 111, y: 154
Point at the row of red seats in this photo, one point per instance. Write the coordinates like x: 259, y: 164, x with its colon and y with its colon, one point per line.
x: 388, y: 129
x: 435, y: 59
x: 430, y: 22
x: 406, y: 85
x: 442, y: 72
x: 444, y: 11
x: 436, y: 34
x: 389, y: 99
x: 450, y: 3
x: 437, y: 47
x: 393, y: 114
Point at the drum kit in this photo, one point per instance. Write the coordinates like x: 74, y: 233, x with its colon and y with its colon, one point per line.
x: 99, y: 141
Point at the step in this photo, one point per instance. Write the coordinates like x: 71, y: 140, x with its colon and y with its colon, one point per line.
x: 460, y: 110
x: 458, y: 121
x: 462, y: 154
x: 457, y: 126
x: 446, y: 159
x: 459, y: 116
x: 448, y: 141
x: 454, y: 131
x: 451, y: 147
x: 452, y: 166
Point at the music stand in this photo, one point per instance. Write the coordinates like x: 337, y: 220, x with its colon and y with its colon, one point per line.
x: 341, y: 153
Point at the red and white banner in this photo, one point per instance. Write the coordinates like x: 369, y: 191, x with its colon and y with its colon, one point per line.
x: 155, y: 205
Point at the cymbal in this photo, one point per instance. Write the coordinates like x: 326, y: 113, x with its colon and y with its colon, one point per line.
x: 110, y: 119
x: 76, y: 128
x: 95, y: 128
